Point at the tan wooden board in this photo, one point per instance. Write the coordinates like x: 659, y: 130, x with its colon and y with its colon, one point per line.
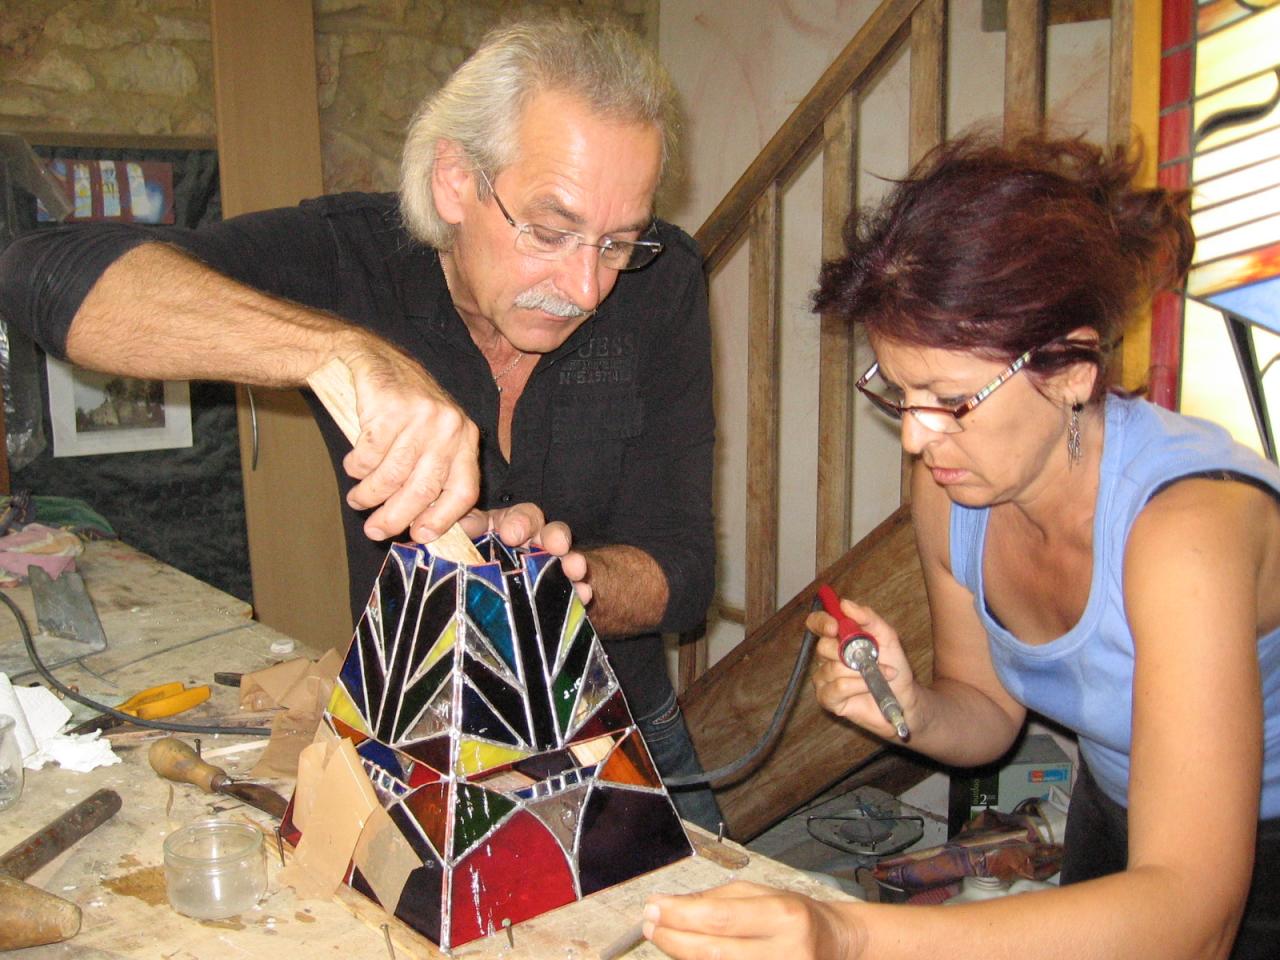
x: 116, y: 873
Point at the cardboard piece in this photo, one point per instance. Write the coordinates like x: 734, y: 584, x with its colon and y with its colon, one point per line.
x: 303, y: 688
x: 342, y: 801
x: 384, y: 856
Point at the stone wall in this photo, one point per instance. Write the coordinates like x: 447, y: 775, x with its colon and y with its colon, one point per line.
x: 146, y: 67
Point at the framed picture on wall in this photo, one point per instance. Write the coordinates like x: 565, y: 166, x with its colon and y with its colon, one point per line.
x: 101, y: 413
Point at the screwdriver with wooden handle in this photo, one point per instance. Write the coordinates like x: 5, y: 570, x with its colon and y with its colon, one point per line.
x: 174, y: 760
x: 334, y: 387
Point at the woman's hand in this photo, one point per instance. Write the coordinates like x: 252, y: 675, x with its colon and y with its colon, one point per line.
x: 746, y: 921
x: 523, y: 525
x: 841, y: 690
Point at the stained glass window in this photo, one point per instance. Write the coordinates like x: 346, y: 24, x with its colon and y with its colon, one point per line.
x: 1220, y: 136
x: 495, y: 735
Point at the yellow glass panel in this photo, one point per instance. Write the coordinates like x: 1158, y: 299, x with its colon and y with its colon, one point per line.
x: 1240, y: 239
x: 572, y: 621
x: 1227, y: 215
x: 1241, y: 50
x: 444, y: 643
x: 1232, y: 185
x: 1234, y: 271
x: 1254, y: 92
x: 1211, y: 386
x: 477, y: 755
x: 343, y: 707
x: 1218, y: 13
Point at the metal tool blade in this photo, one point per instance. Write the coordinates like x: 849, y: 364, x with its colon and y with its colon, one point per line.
x: 255, y: 794
x: 63, y: 608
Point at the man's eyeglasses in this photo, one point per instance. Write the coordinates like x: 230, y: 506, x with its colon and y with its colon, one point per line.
x: 936, y: 419
x: 551, y: 243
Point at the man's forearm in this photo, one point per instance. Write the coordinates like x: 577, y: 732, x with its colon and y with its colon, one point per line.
x: 157, y: 313
x: 629, y: 590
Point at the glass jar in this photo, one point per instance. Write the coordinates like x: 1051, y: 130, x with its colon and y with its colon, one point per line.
x: 11, y: 775
x: 215, y: 869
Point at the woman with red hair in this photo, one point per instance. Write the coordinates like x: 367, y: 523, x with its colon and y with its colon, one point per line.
x: 1087, y: 555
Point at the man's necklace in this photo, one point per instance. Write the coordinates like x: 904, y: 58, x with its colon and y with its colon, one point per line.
x: 502, y: 373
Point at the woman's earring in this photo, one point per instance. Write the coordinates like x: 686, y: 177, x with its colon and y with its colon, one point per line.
x: 1073, y: 434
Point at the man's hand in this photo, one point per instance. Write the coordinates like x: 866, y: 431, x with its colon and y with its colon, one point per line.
x: 524, y: 524
x: 417, y: 456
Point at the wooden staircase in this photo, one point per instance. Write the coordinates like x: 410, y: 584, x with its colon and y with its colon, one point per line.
x: 729, y: 706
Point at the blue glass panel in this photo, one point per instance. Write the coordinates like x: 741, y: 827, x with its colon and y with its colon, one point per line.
x: 507, y: 701
x: 382, y: 755
x: 491, y: 573
x: 1258, y: 303
x: 488, y: 610
x: 535, y: 563
x: 532, y: 669
x: 480, y: 720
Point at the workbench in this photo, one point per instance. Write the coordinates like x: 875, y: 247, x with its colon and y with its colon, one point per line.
x: 163, y: 625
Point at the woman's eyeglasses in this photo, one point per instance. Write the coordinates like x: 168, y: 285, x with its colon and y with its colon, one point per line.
x: 935, y: 419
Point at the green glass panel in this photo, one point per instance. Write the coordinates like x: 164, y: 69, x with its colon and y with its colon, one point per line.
x: 476, y: 812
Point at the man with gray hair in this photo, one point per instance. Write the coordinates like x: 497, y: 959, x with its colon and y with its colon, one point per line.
x: 528, y: 343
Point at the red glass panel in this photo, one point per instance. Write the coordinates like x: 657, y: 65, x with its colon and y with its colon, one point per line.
x: 434, y: 752
x: 1175, y: 78
x: 346, y: 730
x: 430, y: 808
x: 1166, y: 336
x: 1175, y: 23
x: 1175, y: 177
x: 519, y: 873
x: 1175, y: 135
x: 610, y: 718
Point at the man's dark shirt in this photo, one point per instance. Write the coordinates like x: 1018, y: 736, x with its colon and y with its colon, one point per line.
x: 613, y: 433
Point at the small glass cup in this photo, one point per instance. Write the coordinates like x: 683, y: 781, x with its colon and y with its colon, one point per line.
x: 214, y: 869
x: 11, y: 776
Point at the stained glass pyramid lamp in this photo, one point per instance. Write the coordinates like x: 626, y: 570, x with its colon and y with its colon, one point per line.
x: 495, y: 735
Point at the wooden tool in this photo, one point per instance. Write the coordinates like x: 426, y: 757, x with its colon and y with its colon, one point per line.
x: 30, y: 917
x: 42, y: 846
x: 334, y: 387
x: 174, y: 760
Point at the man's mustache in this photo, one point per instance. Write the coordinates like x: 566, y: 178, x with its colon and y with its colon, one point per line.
x: 552, y: 304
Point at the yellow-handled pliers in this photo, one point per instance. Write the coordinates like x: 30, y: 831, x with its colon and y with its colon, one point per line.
x: 164, y: 700
x: 160, y: 701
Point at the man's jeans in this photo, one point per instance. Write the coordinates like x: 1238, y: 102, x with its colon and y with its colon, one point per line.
x: 672, y: 750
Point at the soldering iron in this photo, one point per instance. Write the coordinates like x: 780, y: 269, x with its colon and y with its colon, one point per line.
x: 860, y: 651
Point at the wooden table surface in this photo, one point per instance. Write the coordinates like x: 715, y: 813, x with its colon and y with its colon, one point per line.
x: 162, y: 625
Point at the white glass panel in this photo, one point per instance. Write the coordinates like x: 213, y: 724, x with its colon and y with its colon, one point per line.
x: 1245, y: 48
x: 1237, y: 156
x: 1236, y: 184
x: 1227, y: 215
x: 1211, y: 386
x: 1255, y: 92
x: 1235, y: 241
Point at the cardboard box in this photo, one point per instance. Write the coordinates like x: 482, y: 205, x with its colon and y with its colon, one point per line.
x: 1037, y: 765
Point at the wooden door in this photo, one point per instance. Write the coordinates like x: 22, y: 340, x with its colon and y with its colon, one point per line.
x: 269, y: 155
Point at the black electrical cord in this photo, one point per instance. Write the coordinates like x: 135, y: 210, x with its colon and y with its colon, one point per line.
x: 66, y: 691
x: 775, y: 725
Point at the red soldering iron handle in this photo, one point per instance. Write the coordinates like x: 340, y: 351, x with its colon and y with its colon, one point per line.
x: 846, y: 629
x: 859, y: 651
